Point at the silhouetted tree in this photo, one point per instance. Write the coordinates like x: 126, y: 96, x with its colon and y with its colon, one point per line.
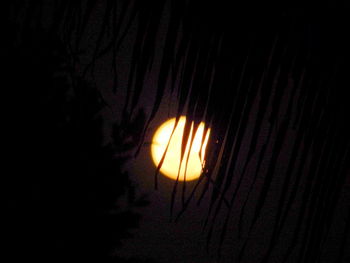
x: 67, y: 194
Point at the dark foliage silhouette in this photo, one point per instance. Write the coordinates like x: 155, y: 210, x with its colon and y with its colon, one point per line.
x: 271, y: 84
x: 67, y: 195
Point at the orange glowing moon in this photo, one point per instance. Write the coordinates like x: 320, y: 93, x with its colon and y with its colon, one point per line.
x: 171, y: 164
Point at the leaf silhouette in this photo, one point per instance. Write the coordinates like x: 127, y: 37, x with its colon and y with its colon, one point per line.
x: 269, y: 84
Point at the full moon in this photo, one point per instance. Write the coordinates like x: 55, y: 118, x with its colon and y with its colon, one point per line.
x: 189, y: 170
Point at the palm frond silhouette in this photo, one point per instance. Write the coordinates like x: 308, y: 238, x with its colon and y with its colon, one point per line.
x: 271, y: 86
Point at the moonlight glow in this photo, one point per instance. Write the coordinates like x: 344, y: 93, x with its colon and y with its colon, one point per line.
x: 171, y: 164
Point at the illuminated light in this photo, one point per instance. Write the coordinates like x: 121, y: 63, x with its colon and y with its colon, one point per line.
x: 192, y: 162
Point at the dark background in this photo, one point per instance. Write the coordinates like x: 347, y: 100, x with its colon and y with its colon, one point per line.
x: 79, y: 104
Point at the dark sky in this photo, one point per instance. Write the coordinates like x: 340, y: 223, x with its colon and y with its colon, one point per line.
x: 305, y: 39
x: 185, y: 240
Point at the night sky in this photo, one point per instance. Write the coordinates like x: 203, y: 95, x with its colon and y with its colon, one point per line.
x: 87, y: 83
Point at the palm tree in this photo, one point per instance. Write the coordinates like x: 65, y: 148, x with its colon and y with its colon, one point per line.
x: 271, y: 84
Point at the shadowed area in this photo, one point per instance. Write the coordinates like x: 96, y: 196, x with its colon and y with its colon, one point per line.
x: 271, y: 84
x: 68, y: 197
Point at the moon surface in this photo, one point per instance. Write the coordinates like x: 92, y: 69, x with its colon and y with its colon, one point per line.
x: 192, y: 162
